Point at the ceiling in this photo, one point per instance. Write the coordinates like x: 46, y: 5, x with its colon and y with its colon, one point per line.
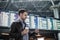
x: 39, y: 7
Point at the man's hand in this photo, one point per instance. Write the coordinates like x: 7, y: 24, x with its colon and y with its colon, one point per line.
x: 25, y: 32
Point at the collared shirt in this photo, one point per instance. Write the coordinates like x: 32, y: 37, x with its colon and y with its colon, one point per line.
x: 25, y: 37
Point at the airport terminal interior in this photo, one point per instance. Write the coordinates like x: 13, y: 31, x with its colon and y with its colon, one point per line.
x: 43, y: 15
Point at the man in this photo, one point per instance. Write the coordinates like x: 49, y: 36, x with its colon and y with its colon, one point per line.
x: 18, y: 28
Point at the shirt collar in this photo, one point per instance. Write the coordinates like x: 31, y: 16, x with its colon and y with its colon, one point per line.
x: 19, y: 19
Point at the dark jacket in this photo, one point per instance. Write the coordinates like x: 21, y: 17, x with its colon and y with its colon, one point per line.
x: 16, y: 29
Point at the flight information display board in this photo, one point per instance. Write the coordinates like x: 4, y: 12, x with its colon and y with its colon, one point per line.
x: 34, y: 22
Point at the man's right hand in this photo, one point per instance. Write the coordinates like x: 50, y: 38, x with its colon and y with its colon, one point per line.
x: 25, y: 31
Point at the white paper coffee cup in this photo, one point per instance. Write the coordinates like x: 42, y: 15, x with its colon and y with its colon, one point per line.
x: 26, y: 27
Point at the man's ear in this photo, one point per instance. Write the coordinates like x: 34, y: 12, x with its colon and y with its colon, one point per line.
x: 20, y: 14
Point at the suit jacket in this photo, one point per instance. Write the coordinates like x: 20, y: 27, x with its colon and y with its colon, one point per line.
x: 16, y: 29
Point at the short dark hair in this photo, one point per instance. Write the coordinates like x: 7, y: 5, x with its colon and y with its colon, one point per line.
x: 21, y: 11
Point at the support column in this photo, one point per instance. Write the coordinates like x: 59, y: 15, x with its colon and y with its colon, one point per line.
x: 56, y: 12
x: 56, y: 15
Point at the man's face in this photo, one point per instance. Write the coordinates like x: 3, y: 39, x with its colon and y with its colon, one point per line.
x: 24, y: 15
